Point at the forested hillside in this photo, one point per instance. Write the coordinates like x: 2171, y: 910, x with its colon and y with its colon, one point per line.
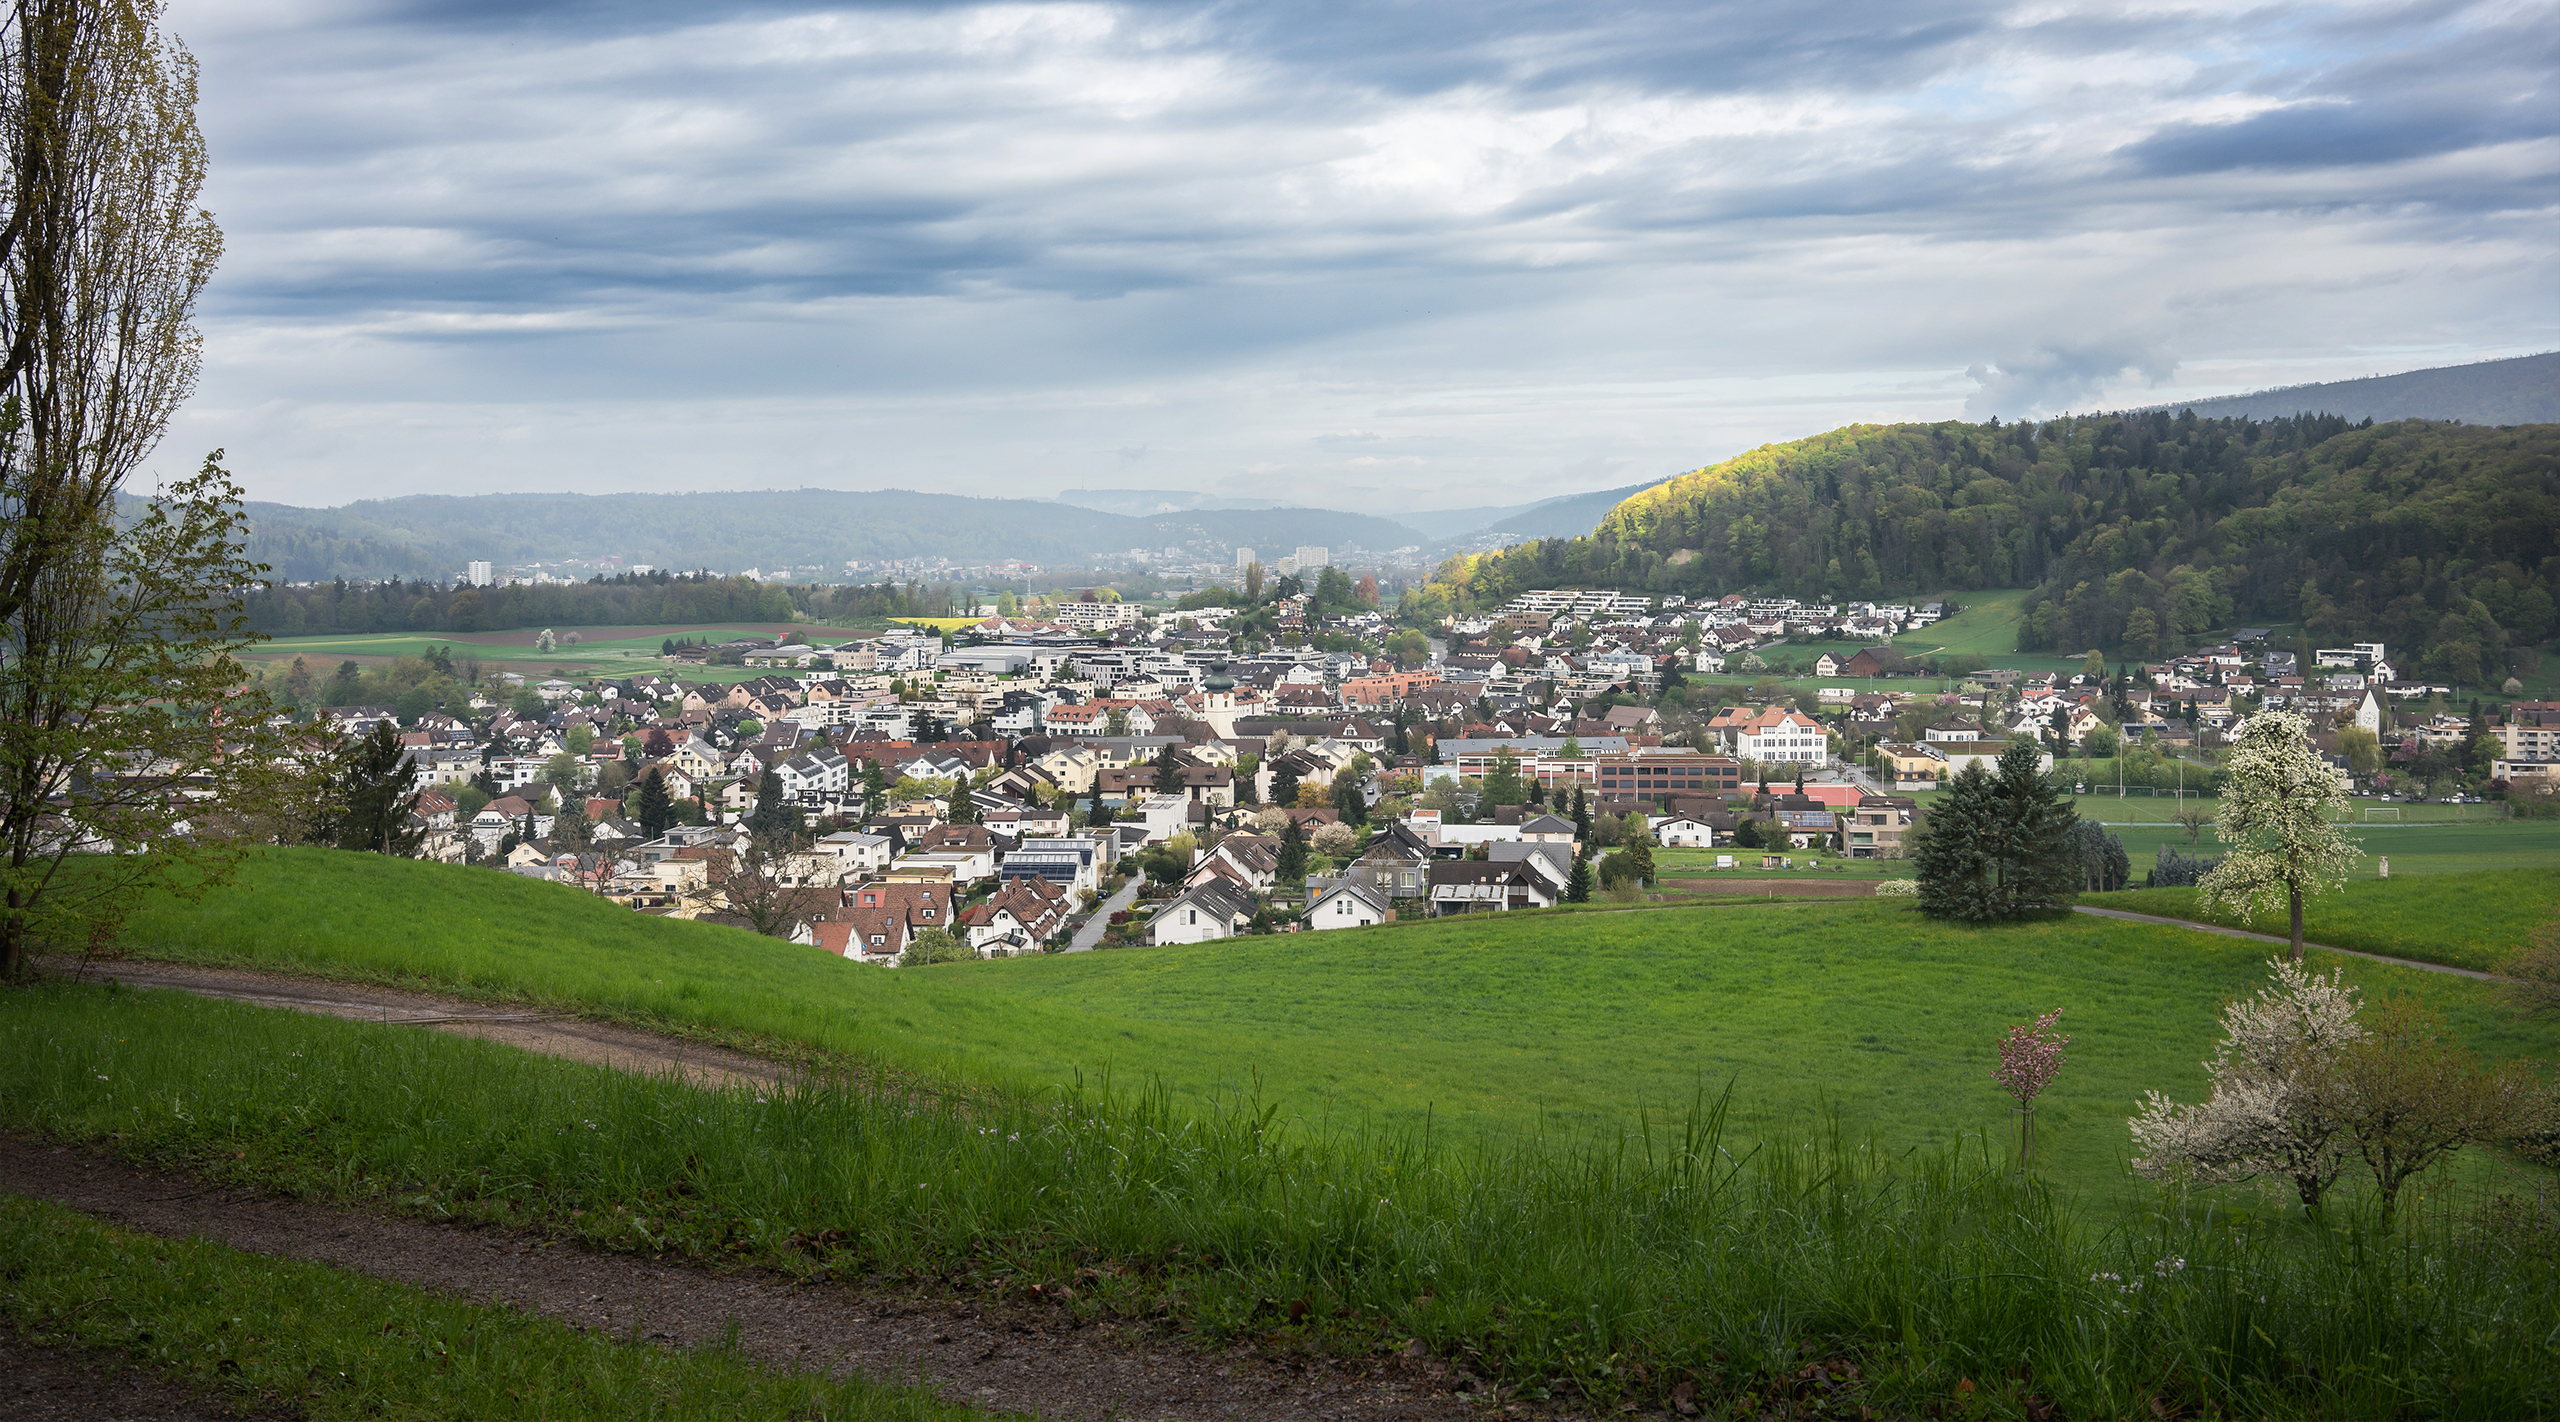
x: 2130, y: 529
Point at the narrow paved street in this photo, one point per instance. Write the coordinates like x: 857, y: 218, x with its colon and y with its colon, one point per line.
x: 1091, y: 934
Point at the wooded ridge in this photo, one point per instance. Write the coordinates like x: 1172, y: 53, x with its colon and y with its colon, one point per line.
x: 2129, y: 528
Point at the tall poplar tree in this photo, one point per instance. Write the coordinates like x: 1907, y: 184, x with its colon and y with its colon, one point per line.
x: 117, y: 670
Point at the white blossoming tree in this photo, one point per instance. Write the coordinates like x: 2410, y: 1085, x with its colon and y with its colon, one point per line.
x: 2264, y: 1115
x: 2277, y: 823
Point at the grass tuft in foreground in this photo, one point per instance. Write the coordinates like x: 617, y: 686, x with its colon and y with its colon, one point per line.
x: 1607, y: 1273
x: 330, y: 1343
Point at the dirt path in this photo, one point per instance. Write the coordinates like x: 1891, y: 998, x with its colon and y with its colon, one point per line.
x: 624, y: 1048
x: 1027, y: 1359
x: 47, y: 1384
x: 2288, y: 943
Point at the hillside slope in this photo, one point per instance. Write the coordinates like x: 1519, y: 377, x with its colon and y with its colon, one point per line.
x: 2434, y: 534
x: 2521, y: 391
x: 1485, y: 1025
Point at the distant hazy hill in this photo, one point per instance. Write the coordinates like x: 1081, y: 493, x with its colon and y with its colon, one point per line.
x: 1144, y: 503
x: 1564, y: 516
x: 2521, y: 391
x: 432, y: 536
x: 1568, y: 517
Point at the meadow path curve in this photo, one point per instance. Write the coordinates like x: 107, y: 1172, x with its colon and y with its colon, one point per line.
x: 1020, y: 1358
x: 545, y: 1034
x: 2287, y: 942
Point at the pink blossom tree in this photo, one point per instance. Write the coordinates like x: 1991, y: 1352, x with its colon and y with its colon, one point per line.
x: 2029, y: 1057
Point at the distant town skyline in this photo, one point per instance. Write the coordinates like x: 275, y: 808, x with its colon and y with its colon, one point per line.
x: 1384, y: 258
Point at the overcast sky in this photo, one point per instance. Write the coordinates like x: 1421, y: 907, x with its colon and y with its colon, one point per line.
x: 1379, y: 255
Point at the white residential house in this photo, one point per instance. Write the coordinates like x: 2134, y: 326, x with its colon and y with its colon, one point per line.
x: 1208, y: 910
x: 816, y: 779
x: 1683, y: 832
x: 1345, y: 905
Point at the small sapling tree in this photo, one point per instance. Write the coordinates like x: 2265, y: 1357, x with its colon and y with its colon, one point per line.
x: 2030, y: 1056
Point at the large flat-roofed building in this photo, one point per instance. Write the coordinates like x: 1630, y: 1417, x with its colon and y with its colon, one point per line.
x: 1660, y: 774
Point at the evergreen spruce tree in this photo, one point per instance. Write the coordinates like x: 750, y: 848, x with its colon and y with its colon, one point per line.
x: 375, y: 797
x: 1999, y: 847
x: 1284, y: 786
x: 1349, y: 800
x: 774, y: 815
x: 1577, y: 884
x: 657, y: 807
x: 1293, y: 854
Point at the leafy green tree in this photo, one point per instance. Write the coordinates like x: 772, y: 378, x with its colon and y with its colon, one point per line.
x: 1632, y: 863
x: 933, y: 946
x: 566, y: 774
x: 529, y: 704
x: 1503, y: 785
x: 657, y: 807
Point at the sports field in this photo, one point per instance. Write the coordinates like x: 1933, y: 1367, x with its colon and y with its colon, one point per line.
x: 1571, y: 1024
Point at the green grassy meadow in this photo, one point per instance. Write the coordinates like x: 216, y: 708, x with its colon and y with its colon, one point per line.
x: 1603, y: 1270
x: 599, y: 648
x: 2467, y: 921
x: 1986, y: 625
x: 1569, y: 1025
x: 255, y: 1331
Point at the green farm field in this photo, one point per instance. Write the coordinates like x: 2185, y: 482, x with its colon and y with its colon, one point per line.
x: 610, y: 645
x: 1571, y: 1026
x: 2466, y: 920
x: 2427, y: 839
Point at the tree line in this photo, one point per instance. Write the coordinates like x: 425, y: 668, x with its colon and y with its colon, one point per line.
x: 623, y: 600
